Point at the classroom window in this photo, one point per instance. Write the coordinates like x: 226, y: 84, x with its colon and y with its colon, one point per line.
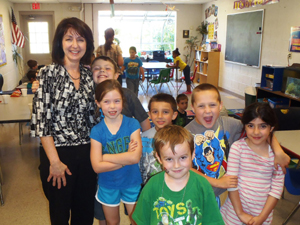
x: 38, y: 37
x: 146, y: 30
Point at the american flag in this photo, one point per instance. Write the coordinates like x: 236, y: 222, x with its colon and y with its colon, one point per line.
x: 17, y: 35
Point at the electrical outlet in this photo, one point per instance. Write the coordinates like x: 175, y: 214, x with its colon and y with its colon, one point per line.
x: 290, y: 56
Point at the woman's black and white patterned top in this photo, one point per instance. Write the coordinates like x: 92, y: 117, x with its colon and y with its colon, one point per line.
x: 61, y: 111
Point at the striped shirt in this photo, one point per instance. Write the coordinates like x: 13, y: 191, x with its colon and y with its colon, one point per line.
x: 257, y: 179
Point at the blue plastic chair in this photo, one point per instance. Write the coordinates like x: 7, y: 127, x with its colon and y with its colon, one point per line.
x: 153, y: 72
x: 292, y: 185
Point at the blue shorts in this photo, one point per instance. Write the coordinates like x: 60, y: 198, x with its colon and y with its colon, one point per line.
x: 113, y: 197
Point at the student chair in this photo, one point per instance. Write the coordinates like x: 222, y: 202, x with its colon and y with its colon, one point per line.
x: 154, y: 72
x: 192, y: 78
x: 142, y: 86
x: 1, y: 85
x: 292, y: 185
x: 163, y: 78
x: 172, y: 77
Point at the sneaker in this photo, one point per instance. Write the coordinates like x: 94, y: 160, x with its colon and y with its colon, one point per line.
x: 187, y: 93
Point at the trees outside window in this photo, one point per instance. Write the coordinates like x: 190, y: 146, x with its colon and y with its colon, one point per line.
x: 146, y: 30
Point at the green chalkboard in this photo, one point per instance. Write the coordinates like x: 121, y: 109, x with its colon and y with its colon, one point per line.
x: 243, y: 38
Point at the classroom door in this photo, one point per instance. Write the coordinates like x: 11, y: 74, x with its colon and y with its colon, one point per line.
x: 38, y: 30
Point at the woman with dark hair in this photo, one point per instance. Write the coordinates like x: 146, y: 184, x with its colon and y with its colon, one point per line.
x: 111, y: 50
x: 63, y: 115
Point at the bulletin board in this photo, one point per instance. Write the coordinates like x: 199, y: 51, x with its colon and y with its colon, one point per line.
x: 244, y: 38
x: 211, y: 29
x: 2, y: 44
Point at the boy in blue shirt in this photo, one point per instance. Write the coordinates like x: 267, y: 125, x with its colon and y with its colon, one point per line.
x: 133, y: 67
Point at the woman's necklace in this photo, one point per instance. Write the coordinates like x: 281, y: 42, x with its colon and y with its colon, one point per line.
x: 73, y: 77
x: 162, y: 195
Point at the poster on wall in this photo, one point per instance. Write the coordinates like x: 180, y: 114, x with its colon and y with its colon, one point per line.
x: 216, y: 23
x: 295, y: 39
x: 241, y: 4
x: 211, y: 29
x: 211, y: 11
x: 216, y: 11
x: 2, y: 44
x: 186, y: 33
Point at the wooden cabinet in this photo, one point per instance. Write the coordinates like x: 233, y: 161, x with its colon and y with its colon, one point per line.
x: 266, y: 93
x: 208, y: 67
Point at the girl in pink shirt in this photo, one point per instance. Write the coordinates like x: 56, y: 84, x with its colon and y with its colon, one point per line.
x: 252, y: 160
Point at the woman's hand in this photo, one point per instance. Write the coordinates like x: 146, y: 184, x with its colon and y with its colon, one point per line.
x: 57, y: 172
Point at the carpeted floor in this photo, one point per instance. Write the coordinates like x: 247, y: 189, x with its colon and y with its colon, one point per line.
x: 236, y: 113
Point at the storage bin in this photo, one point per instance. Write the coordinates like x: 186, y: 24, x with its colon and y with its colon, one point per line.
x: 262, y: 100
x: 278, y: 102
x: 250, y: 95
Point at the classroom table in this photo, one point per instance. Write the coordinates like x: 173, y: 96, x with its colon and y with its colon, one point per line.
x: 17, y: 110
x: 150, y: 66
x: 289, y: 141
x: 23, y: 85
x: 154, y: 65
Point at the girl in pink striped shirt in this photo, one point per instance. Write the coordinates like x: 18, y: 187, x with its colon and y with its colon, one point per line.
x: 252, y: 160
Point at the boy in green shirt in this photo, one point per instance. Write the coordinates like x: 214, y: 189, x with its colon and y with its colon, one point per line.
x: 177, y: 195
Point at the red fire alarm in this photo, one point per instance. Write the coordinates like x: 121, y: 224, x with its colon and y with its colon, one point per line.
x: 35, y: 6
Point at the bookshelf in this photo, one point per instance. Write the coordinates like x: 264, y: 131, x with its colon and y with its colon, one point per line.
x: 208, y: 66
x: 271, y: 77
x: 265, y: 93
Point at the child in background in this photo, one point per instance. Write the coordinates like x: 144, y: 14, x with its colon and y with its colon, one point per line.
x: 252, y: 159
x: 31, y: 75
x: 33, y: 66
x: 213, y: 136
x: 182, y: 67
x: 103, y: 68
x: 182, y: 104
x: 116, y: 149
x: 177, y: 195
x: 133, y: 67
x: 162, y: 110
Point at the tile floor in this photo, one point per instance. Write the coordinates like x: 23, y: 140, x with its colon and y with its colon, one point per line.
x: 23, y: 196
